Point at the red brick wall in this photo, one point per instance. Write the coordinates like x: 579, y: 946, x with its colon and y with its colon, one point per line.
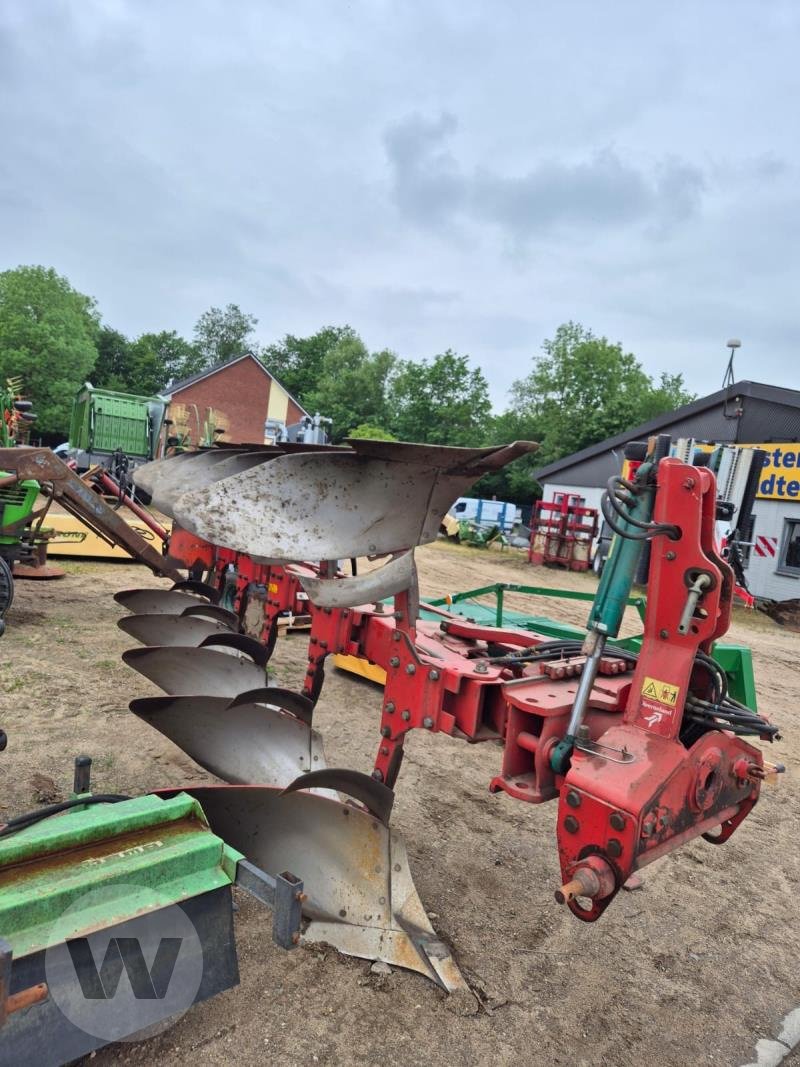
x: 240, y: 392
x: 294, y: 413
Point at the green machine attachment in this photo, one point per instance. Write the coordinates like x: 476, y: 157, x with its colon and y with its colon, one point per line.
x: 115, y: 917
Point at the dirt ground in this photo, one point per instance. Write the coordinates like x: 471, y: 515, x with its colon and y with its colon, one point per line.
x: 692, y: 969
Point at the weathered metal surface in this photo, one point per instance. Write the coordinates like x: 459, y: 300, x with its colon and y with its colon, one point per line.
x: 153, y: 601
x: 163, y: 629
x: 360, y: 893
x: 241, y: 743
x: 369, y: 588
x: 377, y: 499
x: 295, y: 703
x: 188, y: 671
x: 204, y: 469
x: 376, y: 798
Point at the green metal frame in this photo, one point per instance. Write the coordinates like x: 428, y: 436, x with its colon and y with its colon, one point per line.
x: 147, y: 852
x: 736, y: 660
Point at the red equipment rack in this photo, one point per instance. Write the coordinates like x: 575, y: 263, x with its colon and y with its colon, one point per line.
x: 562, y: 532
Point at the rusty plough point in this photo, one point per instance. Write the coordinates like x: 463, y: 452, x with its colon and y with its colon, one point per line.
x: 361, y: 896
x: 163, y: 629
x: 188, y: 671
x: 240, y: 741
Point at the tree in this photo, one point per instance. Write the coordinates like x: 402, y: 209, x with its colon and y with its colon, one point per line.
x: 160, y: 358
x: 584, y: 389
x: 112, y: 369
x: 221, y: 334
x: 297, y: 361
x: 439, y: 401
x: 350, y: 389
x: 48, y: 338
x: 370, y: 432
x: 146, y: 365
x: 514, y: 482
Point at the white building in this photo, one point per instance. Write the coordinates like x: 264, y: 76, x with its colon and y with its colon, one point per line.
x: 745, y: 413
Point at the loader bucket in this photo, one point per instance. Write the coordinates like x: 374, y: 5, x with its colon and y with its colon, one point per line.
x: 361, y: 895
x: 186, y: 671
x: 375, y: 499
x: 163, y: 629
x: 241, y: 743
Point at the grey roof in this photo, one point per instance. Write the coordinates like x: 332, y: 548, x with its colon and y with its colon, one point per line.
x: 775, y: 417
x: 176, y: 387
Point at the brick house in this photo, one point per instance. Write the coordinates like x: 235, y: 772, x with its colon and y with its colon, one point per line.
x: 243, y: 393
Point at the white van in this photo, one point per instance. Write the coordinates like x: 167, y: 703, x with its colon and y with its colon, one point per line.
x: 486, y: 513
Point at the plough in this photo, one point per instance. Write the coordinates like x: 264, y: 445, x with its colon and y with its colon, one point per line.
x: 642, y: 749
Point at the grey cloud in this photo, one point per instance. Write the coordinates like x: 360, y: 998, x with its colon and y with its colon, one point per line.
x: 430, y: 187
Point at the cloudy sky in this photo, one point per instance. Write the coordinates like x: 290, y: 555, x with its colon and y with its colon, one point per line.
x: 438, y: 174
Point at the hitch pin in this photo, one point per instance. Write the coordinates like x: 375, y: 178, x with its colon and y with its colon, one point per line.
x: 696, y: 590
x: 746, y: 771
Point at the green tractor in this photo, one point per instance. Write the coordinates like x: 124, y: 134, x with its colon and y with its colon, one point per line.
x: 17, y: 498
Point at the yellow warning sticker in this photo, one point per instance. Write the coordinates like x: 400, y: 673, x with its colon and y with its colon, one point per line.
x: 661, y: 691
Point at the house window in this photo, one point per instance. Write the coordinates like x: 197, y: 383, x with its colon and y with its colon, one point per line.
x: 789, y: 562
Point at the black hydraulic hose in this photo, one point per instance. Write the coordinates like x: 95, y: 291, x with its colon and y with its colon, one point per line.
x: 619, y: 492
x: 22, y: 822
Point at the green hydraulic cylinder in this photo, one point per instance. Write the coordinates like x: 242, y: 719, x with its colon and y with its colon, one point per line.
x: 608, y: 608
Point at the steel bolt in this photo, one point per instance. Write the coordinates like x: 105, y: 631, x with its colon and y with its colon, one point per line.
x: 411, y: 669
x: 571, y: 824
x: 394, y: 661
x: 384, y: 750
x: 389, y: 707
x: 617, y: 820
x: 481, y: 668
x: 386, y: 731
x: 614, y: 847
x: 301, y: 897
x: 573, y: 799
x: 377, y: 775
x: 434, y: 676
x: 396, y: 635
x: 427, y: 722
x: 663, y: 634
x: 672, y: 555
x: 406, y: 716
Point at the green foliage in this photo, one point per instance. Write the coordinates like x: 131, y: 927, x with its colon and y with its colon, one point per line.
x: 370, y: 432
x: 297, y: 361
x: 160, y: 358
x: 350, y: 389
x: 112, y: 369
x: 439, y: 401
x: 48, y: 336
x: 584, y: 389
x: 146, y: 365
x: 221, y: 334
